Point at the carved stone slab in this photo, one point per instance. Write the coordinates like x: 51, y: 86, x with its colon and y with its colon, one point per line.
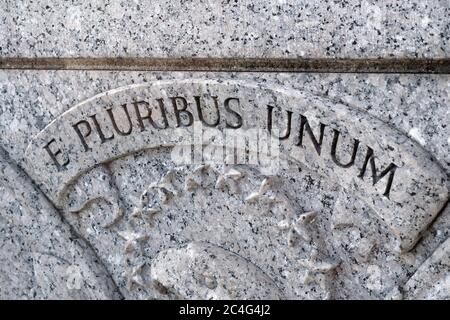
x: 40, y: 256
x: 200, y: 186
x: 392, y: 174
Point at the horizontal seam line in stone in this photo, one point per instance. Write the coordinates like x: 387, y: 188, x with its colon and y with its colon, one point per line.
x: 300, y: 65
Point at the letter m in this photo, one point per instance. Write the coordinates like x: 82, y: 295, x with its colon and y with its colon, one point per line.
x: 389, y: 170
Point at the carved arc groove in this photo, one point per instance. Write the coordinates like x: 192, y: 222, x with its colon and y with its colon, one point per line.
x: 72, y: 230
x: 385, y: 153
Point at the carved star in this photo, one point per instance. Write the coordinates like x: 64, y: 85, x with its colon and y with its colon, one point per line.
x: 365, y: 249
x: 145, y: 214
x: 165, y: 194
x: 317, y: 270
x: 229, y: 178
x: 162, y: 192
x: 167, y: 178
x: 315, y: 265
x: 259, y: 195
x: 297, y: 228
x: 190, y: 184
x: 132, y: 240
x: 135, y: 277
x: 164, y: 189
x: 193, y: 181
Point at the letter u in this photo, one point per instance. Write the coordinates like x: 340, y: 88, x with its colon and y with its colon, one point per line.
x: 200, y: 113
x: 334, y: 147
x: 269, y: 122
x: 113, y: 120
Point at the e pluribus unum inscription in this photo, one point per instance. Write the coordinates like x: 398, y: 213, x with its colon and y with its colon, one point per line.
x: 392, y: 174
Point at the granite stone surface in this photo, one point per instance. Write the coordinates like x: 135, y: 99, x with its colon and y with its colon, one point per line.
x: 224, y: 185
x: 41, y: 257
x: 215, y: 28
x: 158, y: 176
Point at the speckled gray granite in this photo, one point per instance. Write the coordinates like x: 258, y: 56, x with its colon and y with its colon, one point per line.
x: 40, y: 256
x: 353, y: 204
x: 214, y: 28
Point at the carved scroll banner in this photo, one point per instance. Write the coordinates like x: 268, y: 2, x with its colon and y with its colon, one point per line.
x: 392, y: 174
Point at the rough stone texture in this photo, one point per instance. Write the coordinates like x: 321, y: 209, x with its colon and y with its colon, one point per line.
x: 425, y: 182
x: 213, y: 28
x: 41, y: 258
x: 106, y: 193
x: 296, y: 233
x: 32, y: 99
